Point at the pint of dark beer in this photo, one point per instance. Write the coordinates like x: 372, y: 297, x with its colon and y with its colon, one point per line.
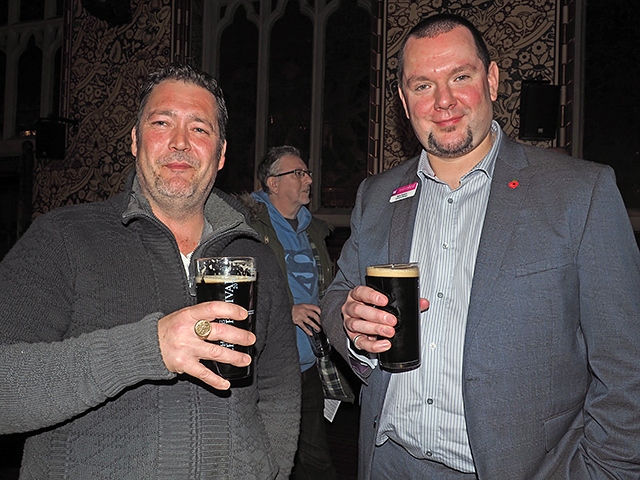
x: 399, y: 282
x: 232, y: 280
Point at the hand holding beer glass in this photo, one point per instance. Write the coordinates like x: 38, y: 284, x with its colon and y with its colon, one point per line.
x: 231, y: 280
x: 400, y: 284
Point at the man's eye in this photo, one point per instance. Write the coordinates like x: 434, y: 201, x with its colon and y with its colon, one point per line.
x: 460, y: 78
x: 420, y: 87
x: 200, y: 130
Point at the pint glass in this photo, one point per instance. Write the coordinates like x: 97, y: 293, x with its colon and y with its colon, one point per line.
x: 232, y: 280
x: 400, y: 283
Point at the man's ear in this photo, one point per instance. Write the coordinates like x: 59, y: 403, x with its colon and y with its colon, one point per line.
x: 134, y: 142
x: 272, y: 183
x: 403, y: 100
x: 222, y: 156
x: 493, y: 77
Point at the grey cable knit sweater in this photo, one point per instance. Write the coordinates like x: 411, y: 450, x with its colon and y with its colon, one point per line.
x: 80, y: 363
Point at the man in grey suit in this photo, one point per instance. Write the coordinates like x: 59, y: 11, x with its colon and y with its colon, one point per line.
x: 530, y: 341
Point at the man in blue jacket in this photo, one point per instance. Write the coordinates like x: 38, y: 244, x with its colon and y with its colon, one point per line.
x: 297, y: 238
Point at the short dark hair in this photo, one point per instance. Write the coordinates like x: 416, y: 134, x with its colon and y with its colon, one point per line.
x: 266, y: 167
x: 184, y: 72
x: 443, y: 23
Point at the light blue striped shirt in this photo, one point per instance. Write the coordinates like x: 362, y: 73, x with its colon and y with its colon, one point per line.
x: 423, y: 409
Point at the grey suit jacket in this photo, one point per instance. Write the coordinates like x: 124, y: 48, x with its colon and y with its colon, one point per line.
x: 551, y: 367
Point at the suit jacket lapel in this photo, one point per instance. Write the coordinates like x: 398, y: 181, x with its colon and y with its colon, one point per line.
x: 499, y: 225
x: 508, y: 190
x: 403, y: 218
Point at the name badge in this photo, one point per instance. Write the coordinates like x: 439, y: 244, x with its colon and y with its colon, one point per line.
x: 406, y: 191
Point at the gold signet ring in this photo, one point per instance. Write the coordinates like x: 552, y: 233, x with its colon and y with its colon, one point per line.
x: 202, y: 328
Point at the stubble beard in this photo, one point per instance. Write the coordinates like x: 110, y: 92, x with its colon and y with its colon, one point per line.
x: 180, y: 197
x: 174, y: 190
x: 451, y: 150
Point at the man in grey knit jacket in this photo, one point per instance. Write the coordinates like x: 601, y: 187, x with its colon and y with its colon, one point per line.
x: 98, y: 354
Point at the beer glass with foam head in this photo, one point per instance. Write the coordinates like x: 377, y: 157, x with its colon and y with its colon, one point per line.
x: 400, y: 283
x: 232, y: 280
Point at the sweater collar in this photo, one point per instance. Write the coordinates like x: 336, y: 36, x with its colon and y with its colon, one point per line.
x: 221, y: 211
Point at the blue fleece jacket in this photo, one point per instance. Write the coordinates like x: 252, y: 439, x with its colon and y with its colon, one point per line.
x: 302, y: 273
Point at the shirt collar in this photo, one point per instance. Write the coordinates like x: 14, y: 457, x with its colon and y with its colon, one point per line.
x: 486, y: 165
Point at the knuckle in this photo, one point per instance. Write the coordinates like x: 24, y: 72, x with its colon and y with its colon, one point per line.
x: 214, y: 351
x: 217, y: 330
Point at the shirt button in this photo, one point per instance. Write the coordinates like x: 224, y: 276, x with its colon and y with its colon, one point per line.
x: 429, y: 454
x: 445, y: 245
x: 429, y: 401
x: 432, y: 345
x: 450, y: 200
x: 440, y: 295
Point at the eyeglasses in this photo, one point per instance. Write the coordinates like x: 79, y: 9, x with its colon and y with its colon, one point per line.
x: 298, y: 172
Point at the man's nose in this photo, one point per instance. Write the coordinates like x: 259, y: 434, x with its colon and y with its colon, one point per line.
x: 180, y: 139
x: 444, y: 98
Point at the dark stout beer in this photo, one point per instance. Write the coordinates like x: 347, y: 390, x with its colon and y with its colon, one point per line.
x: 238, y: 289
x: 399, y: 282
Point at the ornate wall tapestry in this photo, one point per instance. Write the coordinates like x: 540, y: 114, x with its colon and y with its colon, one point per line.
x: 521, y: 36
x: 105, y: 64
x: 104, y: 68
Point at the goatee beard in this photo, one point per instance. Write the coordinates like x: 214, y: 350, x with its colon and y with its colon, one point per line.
x: 451, y: 150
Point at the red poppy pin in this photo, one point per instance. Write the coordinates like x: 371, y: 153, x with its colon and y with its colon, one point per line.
x: 514, y: 184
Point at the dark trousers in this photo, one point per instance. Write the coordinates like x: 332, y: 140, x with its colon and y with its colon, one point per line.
x: 313, y: 458
x: 392, y: 462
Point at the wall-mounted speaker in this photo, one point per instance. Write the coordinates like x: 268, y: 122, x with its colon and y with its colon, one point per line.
x: 51, y: 139
x: 539, y: 110
x: 115, y: 12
